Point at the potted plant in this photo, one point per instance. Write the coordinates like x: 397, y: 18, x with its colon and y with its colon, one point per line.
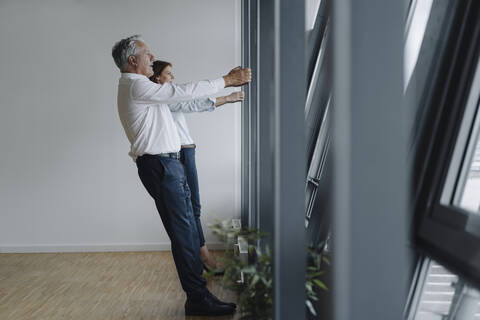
x: 252, y: 280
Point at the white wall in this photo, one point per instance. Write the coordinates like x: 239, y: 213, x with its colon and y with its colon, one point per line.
x: 66, y: 181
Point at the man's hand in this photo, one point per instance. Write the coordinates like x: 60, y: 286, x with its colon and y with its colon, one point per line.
x: 238, y: 77
x: 235, y: 97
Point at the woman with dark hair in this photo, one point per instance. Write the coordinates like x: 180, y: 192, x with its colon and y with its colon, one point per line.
x: 162, y: 73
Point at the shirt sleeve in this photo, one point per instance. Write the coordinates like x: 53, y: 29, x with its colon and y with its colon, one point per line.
x: 146, y: 91
x: 197, y: 105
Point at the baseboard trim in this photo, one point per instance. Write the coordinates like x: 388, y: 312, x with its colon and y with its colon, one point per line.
x: 122, y: 247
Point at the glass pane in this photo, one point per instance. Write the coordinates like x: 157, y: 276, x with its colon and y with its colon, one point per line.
x: 467, y: 194
x: 470, y: 199
x: 418, y: 18
x: 463, y: 178
x: 437, y: 294
x: 311, y: 9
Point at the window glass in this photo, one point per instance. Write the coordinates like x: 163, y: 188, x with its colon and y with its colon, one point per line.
x: 462, y: 185
x: 470, y: 195
x: 417, y: 23
x: 463, y: 178
x: 311, y: 9
x: 469, y: 183
x: 438, y: 294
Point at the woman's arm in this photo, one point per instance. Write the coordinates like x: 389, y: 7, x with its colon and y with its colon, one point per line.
x: 231, y: 98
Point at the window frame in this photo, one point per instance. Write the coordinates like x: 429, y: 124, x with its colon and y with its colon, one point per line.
x: 440, y: 229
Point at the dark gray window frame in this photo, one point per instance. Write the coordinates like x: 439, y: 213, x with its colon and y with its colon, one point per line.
x: 420, y: 91
x: 273, y: 141
x: 440, y: 229
x: 250, y: 115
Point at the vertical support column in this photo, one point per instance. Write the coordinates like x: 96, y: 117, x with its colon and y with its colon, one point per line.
x: 253, y: 19
x: 370, y: 174
x: 249, y: 114
x: 266, y: 115
x: 281, y: 148
x: 290, y: 159
x: 245, y: 169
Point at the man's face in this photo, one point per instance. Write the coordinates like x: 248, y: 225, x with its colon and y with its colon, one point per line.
x: 144, y: 60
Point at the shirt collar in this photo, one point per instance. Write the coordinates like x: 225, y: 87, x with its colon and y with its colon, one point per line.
x: 126, y: 75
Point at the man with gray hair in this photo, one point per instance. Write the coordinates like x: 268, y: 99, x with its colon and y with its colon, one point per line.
x: 143, y: 107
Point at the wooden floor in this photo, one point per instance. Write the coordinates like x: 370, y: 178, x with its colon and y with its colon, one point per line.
x: 89, y: 286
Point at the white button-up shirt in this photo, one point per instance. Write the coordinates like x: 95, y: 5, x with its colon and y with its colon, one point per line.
x: 197, y: 105
x: 144, y: 108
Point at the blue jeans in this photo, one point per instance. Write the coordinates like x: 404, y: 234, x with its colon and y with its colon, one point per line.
x: 187, y: 157
x: 164, y: 178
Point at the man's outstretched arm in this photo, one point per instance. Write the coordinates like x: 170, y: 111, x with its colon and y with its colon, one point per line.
x: 148, y: 92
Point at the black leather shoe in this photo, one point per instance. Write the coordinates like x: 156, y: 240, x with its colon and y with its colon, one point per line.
x: 207, y: 307
x: 218, y: 301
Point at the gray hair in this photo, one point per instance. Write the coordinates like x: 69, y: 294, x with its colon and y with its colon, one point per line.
x: 125, y: 48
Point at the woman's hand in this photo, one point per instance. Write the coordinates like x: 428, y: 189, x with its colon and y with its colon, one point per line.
x: 235, y: 97
x: 231, y: 98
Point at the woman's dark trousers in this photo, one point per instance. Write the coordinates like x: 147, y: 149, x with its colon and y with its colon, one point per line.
x: 187, y: 156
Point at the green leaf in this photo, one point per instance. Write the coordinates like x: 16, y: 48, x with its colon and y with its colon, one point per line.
x: 308, y: 286
x: 310, y: 307
x: 316, y: 274
x: 254, y: 280
x: 320, y: 284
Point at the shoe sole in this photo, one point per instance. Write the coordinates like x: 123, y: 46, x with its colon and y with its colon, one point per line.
x: 204, y: 313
